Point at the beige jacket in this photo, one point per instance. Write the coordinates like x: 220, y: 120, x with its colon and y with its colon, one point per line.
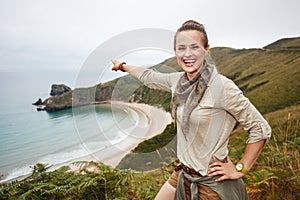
x: 211, y: 123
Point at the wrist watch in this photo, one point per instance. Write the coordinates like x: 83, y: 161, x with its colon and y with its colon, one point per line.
x: 240, y: 168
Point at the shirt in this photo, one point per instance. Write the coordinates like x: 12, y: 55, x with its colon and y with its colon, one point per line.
x: 212, y: 121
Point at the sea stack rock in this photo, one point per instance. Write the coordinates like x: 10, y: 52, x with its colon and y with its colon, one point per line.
x: 59, y: 89
x: 39, y: 102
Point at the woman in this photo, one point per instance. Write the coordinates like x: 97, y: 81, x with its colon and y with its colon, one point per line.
x: 206, y: 107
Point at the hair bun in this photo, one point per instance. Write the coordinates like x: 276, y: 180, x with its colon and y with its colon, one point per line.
x: 188, y: 22
x: 193, y: 25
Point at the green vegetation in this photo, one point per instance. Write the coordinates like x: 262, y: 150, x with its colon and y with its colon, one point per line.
x: 286, y: 44
x: 276, y: 173
x: 101, y: 183
x: 158, y: 141
x: 269, y: 77
x: 154, y: 153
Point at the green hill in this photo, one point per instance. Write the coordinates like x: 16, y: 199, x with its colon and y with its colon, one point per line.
x: 269, y: 78
x: 285, y: 43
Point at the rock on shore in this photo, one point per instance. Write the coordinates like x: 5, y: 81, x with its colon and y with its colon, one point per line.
x: 59, y: 89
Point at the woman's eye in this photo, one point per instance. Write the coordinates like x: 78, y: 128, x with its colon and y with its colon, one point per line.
x: 195, y: 47
x: 180, y: 48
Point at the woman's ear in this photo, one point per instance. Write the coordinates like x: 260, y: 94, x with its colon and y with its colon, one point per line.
x: 207, y: 48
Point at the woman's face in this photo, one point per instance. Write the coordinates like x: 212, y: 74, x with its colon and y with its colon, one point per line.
x: 190, y: 51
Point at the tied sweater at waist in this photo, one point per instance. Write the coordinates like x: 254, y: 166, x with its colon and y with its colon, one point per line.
x: 227, y: 189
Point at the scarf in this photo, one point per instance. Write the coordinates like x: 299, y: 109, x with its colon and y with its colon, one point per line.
x: 189, y: 93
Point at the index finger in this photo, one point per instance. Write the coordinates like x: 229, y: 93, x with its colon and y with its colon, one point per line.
x: 215, y: 164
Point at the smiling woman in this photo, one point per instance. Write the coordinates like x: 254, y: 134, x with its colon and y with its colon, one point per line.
x: 205, y: 107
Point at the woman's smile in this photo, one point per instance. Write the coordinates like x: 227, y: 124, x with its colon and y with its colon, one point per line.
x: 189, y: 62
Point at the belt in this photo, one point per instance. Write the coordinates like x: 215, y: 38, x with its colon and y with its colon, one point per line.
x: 187, y: 169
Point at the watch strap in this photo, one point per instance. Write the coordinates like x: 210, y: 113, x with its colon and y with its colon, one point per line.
x: 243, y: 170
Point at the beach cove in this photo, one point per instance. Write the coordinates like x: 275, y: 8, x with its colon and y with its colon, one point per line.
x: 145, y: 122
x: 63, y: 136
x: 100, y: 133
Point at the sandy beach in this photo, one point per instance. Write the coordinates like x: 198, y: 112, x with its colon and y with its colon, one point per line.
x: 145, y: 122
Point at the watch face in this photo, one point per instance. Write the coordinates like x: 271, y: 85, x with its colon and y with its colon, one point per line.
x: 239, y: 167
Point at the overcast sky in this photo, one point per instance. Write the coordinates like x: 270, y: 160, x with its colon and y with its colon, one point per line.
x: 60, y: 34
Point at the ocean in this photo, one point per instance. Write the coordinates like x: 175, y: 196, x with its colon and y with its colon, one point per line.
x: 28, y: 136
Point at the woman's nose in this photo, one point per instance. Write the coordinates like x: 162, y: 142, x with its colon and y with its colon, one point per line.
x: 187, y: 52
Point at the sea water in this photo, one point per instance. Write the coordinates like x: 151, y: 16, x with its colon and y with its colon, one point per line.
x: 28, y: 137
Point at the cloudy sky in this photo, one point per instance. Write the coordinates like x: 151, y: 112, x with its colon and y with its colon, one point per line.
x: 61, y: 34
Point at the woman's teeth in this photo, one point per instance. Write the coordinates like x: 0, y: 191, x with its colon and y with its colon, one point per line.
x: 189, y: 62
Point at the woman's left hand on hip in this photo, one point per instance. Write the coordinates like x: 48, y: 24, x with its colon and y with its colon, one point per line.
x: 226, y: 170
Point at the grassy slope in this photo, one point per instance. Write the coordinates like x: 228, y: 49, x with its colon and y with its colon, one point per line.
x: 285, y: 43
x: 269, y: 78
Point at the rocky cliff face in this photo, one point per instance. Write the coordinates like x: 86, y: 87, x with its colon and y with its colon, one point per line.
x: 59, y: 89
x: 59, y: 99
x: 62, y: 97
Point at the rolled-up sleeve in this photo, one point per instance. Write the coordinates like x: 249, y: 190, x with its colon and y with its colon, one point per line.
x: 245, y: 113
x: 157, y: 80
